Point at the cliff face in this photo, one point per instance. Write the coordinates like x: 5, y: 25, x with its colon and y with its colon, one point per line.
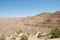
x: 43, y: 22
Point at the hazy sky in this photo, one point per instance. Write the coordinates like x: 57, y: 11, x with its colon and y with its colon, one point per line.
x: 22, y: 8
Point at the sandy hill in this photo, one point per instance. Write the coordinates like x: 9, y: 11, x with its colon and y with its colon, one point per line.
x: 43, y: 22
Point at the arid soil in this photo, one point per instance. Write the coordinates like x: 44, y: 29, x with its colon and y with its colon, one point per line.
x: 42, y: 23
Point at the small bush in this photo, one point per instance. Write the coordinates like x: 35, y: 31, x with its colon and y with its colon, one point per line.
x: 24, y: 37
x: 18, y: 32
x: 39, y: 35
x: 55, y: 33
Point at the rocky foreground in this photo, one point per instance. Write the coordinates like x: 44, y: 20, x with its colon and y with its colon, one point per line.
x: 25, y: 36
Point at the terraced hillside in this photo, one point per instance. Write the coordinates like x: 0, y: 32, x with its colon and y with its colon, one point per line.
x: 42, y: 23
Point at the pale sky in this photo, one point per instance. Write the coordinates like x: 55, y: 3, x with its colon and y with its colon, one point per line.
x: 22, y: 8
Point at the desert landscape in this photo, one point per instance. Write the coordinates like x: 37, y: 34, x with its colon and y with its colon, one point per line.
x: 43, y: 26
x: 29, y: 19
